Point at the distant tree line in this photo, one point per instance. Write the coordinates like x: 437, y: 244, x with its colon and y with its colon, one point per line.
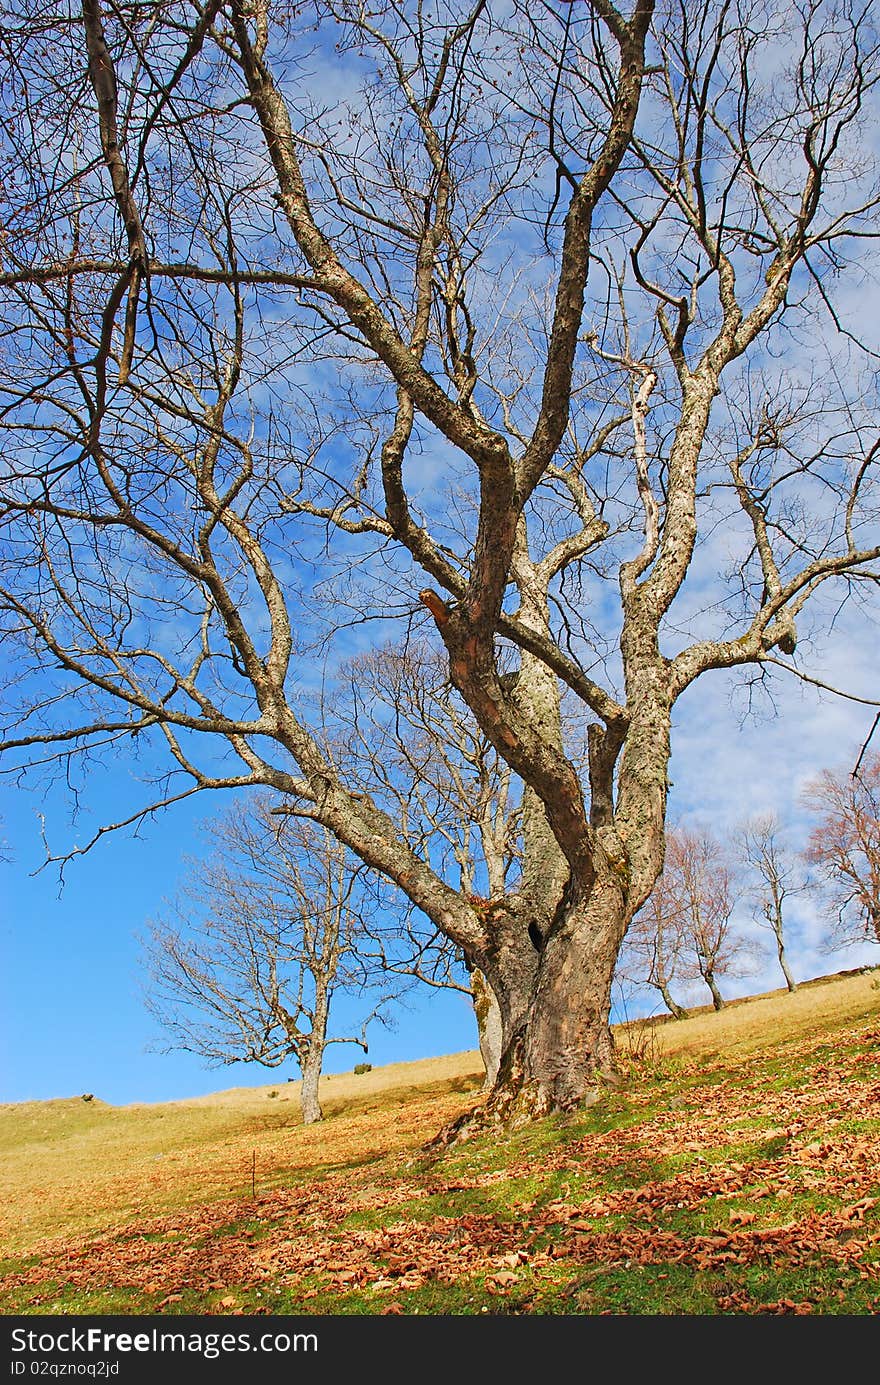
x: 691, y: 926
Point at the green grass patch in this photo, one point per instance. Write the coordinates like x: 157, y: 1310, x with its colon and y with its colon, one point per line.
x: 740, y: 1102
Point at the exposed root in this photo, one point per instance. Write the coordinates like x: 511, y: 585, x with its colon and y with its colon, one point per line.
x: 516, y: 1101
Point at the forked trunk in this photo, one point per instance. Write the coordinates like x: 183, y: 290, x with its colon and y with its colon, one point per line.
x: 574, y: 906
x: 569, y: 1050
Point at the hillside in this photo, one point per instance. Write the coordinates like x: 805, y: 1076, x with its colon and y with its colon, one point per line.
x: 737, y: 1171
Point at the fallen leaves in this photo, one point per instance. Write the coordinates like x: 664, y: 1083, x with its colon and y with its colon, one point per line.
x: 740, y: 1302
x: 743, y: 1218
x: 857, y: 1211
x: 817, y: 1142
x: 504, y: 1279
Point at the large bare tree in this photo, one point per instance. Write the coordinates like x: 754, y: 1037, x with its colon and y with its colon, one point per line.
x: 534, y: 324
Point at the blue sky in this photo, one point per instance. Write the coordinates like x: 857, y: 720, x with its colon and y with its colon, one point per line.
x: 71, y: 1013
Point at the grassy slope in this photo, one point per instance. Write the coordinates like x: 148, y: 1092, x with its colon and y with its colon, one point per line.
x: 737, y: 1171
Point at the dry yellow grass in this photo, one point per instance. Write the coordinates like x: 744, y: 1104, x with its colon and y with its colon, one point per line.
x: 340, y: 1088
x: 70, y: 1166
x: 744, y: 1026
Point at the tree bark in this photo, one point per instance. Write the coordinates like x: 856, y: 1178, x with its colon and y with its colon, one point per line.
x: 558, y: 1047
x: 676, y: 1011
x: 523, y: 921
x: 783, y: 962
x: 717, y: 997
x: 312, y: 1055
x: 490, y: 1026
x: 508, y: 968
x: 568, y: 1048
x: 311, y: 1073
x: 561, y: 1052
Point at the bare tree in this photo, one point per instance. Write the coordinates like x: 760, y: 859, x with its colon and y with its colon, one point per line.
x: 654, y: 948
x: 685, y: 929
x: 702, y: 893
x: 764, y: 852
x: 404, y: 733
x: 270, y: 927
x: 497, y: 309
x: 844, y: 848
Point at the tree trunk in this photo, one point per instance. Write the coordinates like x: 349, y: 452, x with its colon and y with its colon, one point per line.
x: 311, y: 1073
x: 490, y: 1026
x: 717, y: 997
x: 562, y: 1051
x: 789, y: 979
x: 569, y: 1050
x: 508, y: 969
x: 676, y: 1011
x: 558, y: 1049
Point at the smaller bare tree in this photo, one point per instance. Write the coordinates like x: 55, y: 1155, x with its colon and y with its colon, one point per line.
x: 775, y: 878
x: 844, y: 848
x: 701, y: 887
x: 266, y: 933
x: 404, y: 734
x: 655, y: 944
